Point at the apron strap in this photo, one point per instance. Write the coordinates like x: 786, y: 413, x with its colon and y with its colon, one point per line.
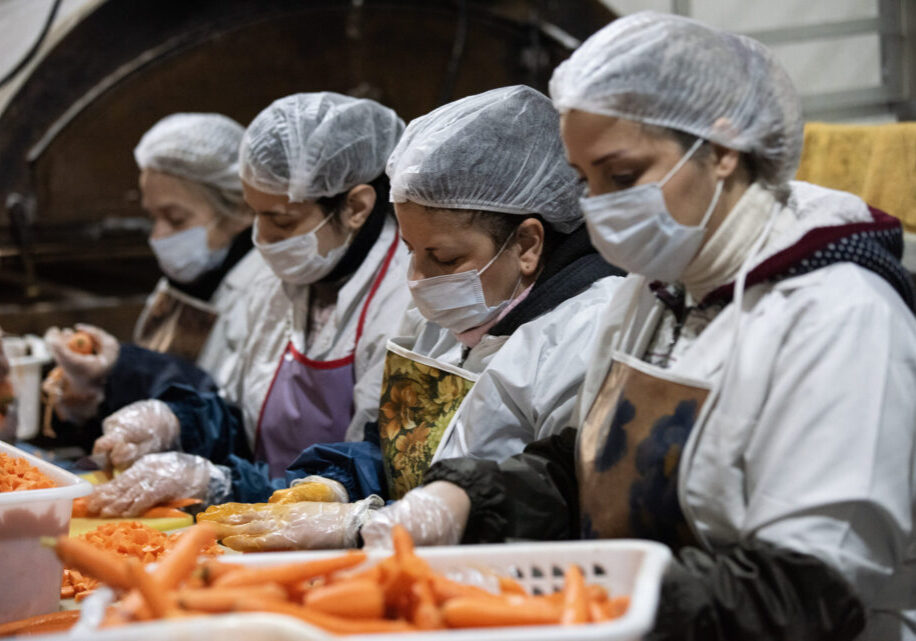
x: 375, y: 285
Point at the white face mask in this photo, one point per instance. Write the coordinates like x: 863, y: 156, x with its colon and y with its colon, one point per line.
x: 185, y: 255
x: 456, y: 301
x: 296, y: 260
x: 633, y: 230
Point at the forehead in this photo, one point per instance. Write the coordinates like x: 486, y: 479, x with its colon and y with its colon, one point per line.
x: 262, y: 201
x: 588, y: 136
x: 160, y: 189
x: 420, y: 222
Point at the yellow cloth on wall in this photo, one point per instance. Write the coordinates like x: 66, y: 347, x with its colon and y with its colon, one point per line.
x: 875, y: 162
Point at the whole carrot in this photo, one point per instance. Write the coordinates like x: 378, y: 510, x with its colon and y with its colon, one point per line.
x: 289, y: 573
x: 178, y: 563
x: 470, y: 612
x: 575, y: 597
x: 155, y: 599
x: 225, y: 599
x: 329, y: 622
x: 425, y: 615
x: 445, y: 589
x: 358, y: 598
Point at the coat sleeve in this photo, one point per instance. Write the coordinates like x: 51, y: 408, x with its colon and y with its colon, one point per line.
x: 355, y: 465
x: 532, y: 495
x: 830, y: 464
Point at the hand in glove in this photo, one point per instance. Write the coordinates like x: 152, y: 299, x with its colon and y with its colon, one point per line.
x: 434, y: 514
x: 252, y: 527
x: 77, y: 386
x: 84, y: 371
x: 158, y: 478
x: 138, y: 429
x: 312, y: 488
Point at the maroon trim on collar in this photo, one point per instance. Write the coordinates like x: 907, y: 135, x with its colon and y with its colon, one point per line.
x: 816, y: 239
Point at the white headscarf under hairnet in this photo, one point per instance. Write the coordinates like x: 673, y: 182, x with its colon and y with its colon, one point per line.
x: 312, y: 145
x: 678, y: 73
x: 200, y: 147
x: 496, y: 151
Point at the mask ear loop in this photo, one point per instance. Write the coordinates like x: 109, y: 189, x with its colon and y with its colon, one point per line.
x: 683, y: 161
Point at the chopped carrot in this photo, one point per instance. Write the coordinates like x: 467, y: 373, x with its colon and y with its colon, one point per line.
x: 162, y: 512
x: 17, y: 474
x: 290, y: 573
x: 80, y: 507
x: 575, y: 597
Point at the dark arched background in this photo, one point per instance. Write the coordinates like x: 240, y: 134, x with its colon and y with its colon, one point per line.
x: 72, y: 244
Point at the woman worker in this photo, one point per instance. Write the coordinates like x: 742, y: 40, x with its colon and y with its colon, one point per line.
x: 312, y: 166
x: 201, y: 237
x: 507, y: 290
x: 752, y: 402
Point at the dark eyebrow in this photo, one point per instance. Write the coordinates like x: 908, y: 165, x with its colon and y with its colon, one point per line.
x: 608, y: 156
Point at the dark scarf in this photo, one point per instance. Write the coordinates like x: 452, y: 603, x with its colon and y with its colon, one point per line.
x: 571, y: 268
x: 203, y: 287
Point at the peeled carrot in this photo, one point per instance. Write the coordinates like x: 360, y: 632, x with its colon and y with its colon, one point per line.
x: 403, y: 544
x: 357, y: 598
x: 178, y: 564
x: 575, y: 598
x: 511, y: 586
x: 425, y: 615
x: 225, y: 599
x: 329, y: 622
x: 290, y: 573
x: 445, y: 589
x: 104, y: 566
x: 162, y: 512
x: 53, y: 622
x: 155, y: 599
x: 81, y: 342
x: 210, y: 571
x: 618, y: 606
x: 469, y: 612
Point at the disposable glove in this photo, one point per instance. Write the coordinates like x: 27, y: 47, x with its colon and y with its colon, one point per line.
x: 312, y: 488
x: 434, y: 514
x: 158, y: 478
x: 253, y: 527
x: 77, y: 387
x: 141, y: 428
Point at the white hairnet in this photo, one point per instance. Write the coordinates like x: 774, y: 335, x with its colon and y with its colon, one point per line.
x: 200, y: 147
x: 495, y: 151
x: 312, y: 145
x: 675, y: 72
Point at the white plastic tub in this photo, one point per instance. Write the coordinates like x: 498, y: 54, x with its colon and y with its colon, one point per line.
x: 624, y: 567
x: 26, y: 357
x: 29, y: 573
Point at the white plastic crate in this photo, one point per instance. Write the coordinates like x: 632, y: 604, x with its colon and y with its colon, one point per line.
x: 625, y: 567
x: 29, y: 573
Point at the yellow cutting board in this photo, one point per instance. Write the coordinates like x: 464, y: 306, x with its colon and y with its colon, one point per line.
x: 81, y: 525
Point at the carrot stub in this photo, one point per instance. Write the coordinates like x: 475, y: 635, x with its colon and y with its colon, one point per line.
x: 575, y: 597
x: 359, y: 598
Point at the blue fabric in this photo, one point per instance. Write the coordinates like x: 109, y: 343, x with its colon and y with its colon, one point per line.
x: 212, y: 428
x: 356, y: 465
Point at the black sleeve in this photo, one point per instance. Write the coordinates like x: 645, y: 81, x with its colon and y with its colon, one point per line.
x: 754, y: 594
x: 533, y: 495
x: 137, y: 374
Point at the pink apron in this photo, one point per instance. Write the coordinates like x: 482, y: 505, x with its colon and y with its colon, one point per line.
x: 309, y: 401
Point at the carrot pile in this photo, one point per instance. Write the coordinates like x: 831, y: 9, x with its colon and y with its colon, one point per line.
x: 127, y: 539
x: 399, y: 594
x: 18, y: 474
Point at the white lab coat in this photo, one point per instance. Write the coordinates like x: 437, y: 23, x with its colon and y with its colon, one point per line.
x: 279, y: 313
x: 811, y: 445
x: 220, y: 353
x: 527, y: 384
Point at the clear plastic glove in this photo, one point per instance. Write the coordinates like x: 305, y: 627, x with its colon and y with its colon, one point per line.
x: 138, y: 429
x: 312, y: 488
x: 253, y: 527
x: 157, y: 478
x: 84, y: 372
x: 434, y: 514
